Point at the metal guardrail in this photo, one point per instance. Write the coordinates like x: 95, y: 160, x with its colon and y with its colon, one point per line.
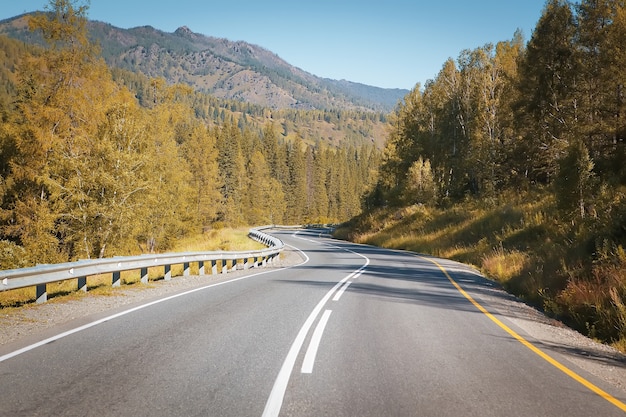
x: 41, y: 275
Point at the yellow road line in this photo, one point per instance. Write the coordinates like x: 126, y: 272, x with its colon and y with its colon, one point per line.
x: 530, y: 346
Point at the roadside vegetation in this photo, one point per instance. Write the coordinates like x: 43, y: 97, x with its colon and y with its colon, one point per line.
x: 512, y: 159
x: 98, y: 163
x: 522, y: 245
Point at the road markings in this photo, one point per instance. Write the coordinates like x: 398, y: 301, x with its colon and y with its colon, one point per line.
x: 311, y: 352
x: 595, y: 389
x: 275, y: 400
x: 341, y: 291
x: 140, y: 307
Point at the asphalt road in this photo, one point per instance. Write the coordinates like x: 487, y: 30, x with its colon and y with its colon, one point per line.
x: 351, y: 331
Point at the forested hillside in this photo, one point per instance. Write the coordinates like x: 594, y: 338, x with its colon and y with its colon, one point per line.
x: 96, y: 162
x: 229, y: 70
x: 513, y: 158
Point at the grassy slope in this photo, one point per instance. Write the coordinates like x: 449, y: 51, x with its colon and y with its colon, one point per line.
x: 520, y: 243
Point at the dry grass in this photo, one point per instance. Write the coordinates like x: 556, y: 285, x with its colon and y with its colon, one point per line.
x: 520, y: 242
x: 504, y: 264
x: 596, y: 302
x: 222, y: 239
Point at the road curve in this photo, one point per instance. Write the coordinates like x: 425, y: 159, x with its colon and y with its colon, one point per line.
x: 352, y: 330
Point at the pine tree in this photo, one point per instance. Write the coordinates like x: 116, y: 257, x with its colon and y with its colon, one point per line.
x: 295, y: 188
x: 232, y: 171
x: 601, y: 33
x: 614, y: 55
x: 274, y: 153
x: 264, y: 200
x: 547, y: 111
x: 320, y: 192
x: 574, y: 183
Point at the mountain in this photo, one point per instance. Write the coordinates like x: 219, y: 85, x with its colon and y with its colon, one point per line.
x: 223, y: 68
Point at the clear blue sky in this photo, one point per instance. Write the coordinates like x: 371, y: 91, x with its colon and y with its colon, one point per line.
x: 385, y: 43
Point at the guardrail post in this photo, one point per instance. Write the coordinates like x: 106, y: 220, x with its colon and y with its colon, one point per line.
x: 82, y: 284
x: 41, y: 293
x: 115, y: 281
x: 83, y: 269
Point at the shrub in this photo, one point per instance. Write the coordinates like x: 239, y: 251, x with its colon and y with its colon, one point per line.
x: 12, y: 256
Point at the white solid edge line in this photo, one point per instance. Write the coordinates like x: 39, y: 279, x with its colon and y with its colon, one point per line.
x: 311, y: 352
x: 140, y: 307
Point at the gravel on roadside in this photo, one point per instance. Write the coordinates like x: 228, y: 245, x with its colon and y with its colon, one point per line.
x: 27, y: 322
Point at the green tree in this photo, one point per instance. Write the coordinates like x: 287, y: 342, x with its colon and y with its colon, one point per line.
x: 274, y: 153
x: 486, y: 74
x: 264, y: 199
x: 319, y: 191
x: 547, y: 110
x: 445, y: 129
x: 295, y: 188
x: 403, y: 144
x: 232, y: 171
x: 614, y: 55
x: 574, y: 183
x: 601, y: 33
x: 596, y: 84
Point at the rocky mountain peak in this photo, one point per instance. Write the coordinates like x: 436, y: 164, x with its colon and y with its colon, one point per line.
x: 184, y: 31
